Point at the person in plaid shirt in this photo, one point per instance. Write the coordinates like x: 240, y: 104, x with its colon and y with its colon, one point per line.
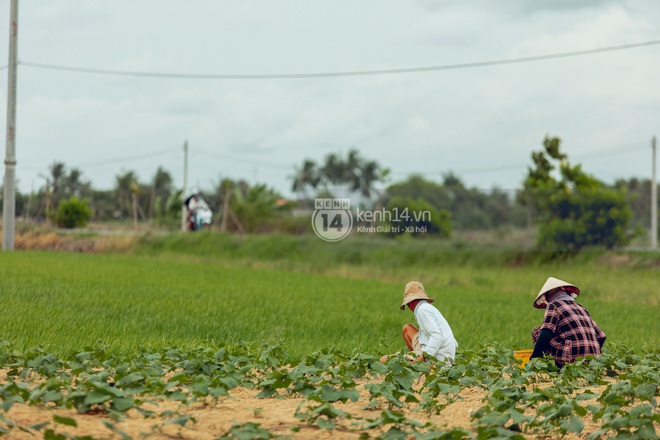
x: 568, y: 331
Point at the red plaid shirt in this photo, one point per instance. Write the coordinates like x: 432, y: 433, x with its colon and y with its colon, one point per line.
x: 575, y: 334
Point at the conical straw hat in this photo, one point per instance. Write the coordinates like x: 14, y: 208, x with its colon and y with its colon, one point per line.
x: 550, y: 285
x: 414, y: 290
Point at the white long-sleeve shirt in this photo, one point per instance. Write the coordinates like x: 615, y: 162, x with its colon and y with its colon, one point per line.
x: 435, y: 335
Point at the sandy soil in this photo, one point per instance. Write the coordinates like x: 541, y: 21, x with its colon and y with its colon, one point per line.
x: 213, y: 419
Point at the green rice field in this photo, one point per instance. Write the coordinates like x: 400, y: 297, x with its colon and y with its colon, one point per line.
x: 304, y: 295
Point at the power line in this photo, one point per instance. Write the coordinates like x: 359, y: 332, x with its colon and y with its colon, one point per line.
x: 166, y: 152
x: 130, y: 158
x: 341, y: 74
x: 114, y: 161
x: 248, y: 161
x: 621, y: 149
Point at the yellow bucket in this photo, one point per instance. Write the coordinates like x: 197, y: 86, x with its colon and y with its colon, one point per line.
x: 522, y: 356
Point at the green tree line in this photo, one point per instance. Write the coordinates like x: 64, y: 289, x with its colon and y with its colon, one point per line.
x: 567, y: 204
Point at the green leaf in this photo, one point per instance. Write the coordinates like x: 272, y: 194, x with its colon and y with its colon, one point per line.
x: 573, y: 424
x: 328, y: 393
x: 468, y: 381
x: 596, y: 435
x: 390, y: 416
x: 329, y: 410
x: 266, y: 393
x: 51, y: 396
x: 123, y: 404
x: 181, y: 420
x: 95, y: 397
x: 596, y: 410
x: 6, y: 421
x: 395, y: 434
x: 36, y: 394
x: 619, y: 422
x: 145, y: 412
x: 587, y: 395
x: 116, y: 430
x: 130, y: 379
x: 563, y: 410
x: 325, y: 424
x: 51, y: 435
x: 379, y: 368
x: 228, y: 382
x: 39, y: 426
x: 200, y: 386
x: 646, y: 391
x: 580, y: 411
x: 495, y: 418
x: 178, y: 395
x: 249, y: 431
x: 68, y: 421
x: 217, y: 392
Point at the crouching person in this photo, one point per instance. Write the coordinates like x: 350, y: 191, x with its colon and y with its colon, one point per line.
x: 434, y: 339
x: 568, y: 331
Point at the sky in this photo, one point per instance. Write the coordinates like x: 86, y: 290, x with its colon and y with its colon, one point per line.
x: 481, y: 123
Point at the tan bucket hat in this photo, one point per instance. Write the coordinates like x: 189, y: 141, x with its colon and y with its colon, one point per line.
x: 414, y: 290
x: 550, y: 285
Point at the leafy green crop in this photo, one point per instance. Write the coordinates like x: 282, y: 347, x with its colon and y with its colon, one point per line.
x: 619, y: 391
x: 184, y: 329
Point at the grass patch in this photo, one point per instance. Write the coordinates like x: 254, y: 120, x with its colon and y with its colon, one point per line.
x: 184, y: 291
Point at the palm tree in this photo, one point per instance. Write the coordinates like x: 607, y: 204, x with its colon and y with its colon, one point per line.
x: 353, y: 170
x: 161, y: 189
x: 354, y: 174
x: 370, y: 174
x: 135, y: 193
x: 306, y: 176
x: 333, y: 171
x: 55, y: 182
x: 254, y: 206
x: 74, y: 185
x: 124, y: 186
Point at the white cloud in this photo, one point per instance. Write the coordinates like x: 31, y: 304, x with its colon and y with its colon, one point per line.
x: 489, y: 117
x: 42, y: 115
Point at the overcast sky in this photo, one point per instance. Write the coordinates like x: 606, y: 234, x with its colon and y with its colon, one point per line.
x: 481, y: 123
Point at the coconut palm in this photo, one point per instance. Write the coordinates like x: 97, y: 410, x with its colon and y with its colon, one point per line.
x: 124, y: 190
x: 161, y: 189
x: 74, y: 185
x: 333, y: 170
x: 54, y: 181
x: 352, y: 168
x: 370, y: 174
x: 307, y: 175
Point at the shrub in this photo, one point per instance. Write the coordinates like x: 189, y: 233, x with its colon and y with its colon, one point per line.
x: 418, y: 217
x: 72, y: 213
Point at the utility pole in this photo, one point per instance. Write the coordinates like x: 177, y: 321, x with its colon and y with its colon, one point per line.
x: 185, y: 186
x: 9, y: 199
x: 654, y: 201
